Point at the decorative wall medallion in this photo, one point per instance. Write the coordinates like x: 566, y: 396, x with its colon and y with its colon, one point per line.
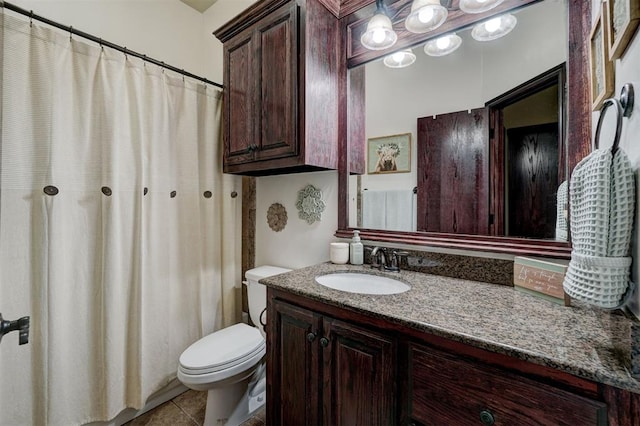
x: 277, y: 217
x: 310, y: 205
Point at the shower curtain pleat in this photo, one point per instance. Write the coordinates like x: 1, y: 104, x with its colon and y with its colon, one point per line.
x: 129, y: 263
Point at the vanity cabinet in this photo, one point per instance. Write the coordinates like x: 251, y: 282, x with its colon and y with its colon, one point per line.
x: 282, y: 76
x: 447, y: 389
x: 322, y: 370
x: 332, y: 365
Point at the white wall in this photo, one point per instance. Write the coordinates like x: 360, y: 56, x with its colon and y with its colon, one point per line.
x: 166, y: 30
x: 298, y: 244
x: 627, y: 70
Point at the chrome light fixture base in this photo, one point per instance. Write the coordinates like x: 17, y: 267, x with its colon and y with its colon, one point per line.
x: 478, y: 6
x: 425, y: 15
x: 400, y: 59
x: 442, y: 46
x: 494, y: 28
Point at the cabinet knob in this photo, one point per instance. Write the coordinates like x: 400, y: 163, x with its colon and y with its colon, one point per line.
x: 487, y: 418
x: 311, y: 337
x: 324, y: 342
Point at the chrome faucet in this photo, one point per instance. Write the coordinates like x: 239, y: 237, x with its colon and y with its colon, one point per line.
x: 383, y: 261
x: 379, y: 258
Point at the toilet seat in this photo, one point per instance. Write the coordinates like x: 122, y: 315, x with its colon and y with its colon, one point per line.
x: 222, y: 354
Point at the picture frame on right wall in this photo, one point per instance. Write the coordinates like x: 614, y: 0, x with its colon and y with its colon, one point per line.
x: 622, y: 24
x: 601, y: 76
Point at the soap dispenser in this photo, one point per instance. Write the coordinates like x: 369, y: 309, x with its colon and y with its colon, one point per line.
x: 356, y: 249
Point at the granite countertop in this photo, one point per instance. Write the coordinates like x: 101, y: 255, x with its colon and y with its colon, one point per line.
x: 580, y: 340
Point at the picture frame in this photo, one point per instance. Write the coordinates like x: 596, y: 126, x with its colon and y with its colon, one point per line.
x: 601, y: 76
x: 389, y: 154
x: 623, y: 18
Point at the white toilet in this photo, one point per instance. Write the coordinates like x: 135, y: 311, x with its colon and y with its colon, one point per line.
x: 228, y: 363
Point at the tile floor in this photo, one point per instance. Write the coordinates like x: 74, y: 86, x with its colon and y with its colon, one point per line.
x: 186, y: 409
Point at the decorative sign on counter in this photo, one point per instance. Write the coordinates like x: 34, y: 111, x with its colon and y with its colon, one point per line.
x: 540, y: 278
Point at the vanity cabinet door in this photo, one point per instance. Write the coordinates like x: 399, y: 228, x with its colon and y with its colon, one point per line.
x: 447, y: 389
x: 293, y: 365
x: 359, y: 375
x: 323, y: 371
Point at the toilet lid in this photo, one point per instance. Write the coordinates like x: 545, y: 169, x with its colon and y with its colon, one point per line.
x: 222, y: 349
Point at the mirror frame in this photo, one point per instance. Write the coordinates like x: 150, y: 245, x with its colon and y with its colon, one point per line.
x: 578, y: 140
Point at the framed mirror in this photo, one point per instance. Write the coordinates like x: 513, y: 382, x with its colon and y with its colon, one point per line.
x: 550, y: 34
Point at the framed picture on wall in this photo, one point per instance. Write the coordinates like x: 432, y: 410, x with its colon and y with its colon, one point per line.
x: 602, y: 83
x: 622, y: 23
x: 389, y: 154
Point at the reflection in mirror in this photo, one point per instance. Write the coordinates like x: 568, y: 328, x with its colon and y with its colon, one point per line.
x: 465, y: 80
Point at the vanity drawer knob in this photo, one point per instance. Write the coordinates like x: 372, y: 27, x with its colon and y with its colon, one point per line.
x: 311, y: 337
x: 487, y: 418
x: 324, y: 342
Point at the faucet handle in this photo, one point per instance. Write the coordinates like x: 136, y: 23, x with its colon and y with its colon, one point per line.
x: 395, y: 260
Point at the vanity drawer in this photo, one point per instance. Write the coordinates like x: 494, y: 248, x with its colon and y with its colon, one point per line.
x: 445, y: 389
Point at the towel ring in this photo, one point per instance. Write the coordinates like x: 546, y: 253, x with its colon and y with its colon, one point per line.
x: 616, y: 139
x: 624, y: 107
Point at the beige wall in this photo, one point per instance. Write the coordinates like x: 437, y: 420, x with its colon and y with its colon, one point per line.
x: 627, y: 70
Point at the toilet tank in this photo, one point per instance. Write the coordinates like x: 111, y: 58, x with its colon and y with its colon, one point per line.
x: 257, y: 293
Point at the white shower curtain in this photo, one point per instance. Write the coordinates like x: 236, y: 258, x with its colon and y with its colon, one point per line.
x: 117, y: 231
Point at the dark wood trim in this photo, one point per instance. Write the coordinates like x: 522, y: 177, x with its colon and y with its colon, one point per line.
x: 556, y: 75
x: 247, y: 18
x: 248, y: 232
x: 579, y: 114
x: 506, y: 245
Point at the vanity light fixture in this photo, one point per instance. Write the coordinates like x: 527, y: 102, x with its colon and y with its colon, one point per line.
x: 442, y: 46
x: 478, y: 6
x: 425, y: 15
x: 379, y: 34
x: 494, y: 28
x: 400, y: 59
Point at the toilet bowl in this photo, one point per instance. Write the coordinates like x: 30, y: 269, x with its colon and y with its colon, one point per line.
x: 228, y: 363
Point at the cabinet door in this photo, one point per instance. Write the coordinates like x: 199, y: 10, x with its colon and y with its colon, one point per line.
x: 445, y: 389
x: 277, y: 38
x: 239, y: 100
x: 293, y: 364
x: 358, y: 376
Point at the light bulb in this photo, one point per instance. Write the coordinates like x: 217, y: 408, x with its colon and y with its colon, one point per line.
x: 493, y: 25
x: 443, y: 42
x: 378, y: 36
x: 398, y: 57
x: 481, y: 1
x: 425, y: 15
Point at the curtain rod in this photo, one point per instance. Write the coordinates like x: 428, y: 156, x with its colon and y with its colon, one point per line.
x: 102, y: 42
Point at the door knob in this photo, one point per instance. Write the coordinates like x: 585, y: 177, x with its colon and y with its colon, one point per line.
x: 21, y: 325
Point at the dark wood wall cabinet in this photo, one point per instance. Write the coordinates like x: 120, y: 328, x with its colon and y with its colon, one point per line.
x: 329, y: 365
x: 284, y: 83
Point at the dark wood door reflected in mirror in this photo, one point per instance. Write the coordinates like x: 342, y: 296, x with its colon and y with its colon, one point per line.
x: 384, y: 104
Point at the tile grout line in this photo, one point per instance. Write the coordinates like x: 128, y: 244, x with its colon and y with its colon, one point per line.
x: 185, y: 413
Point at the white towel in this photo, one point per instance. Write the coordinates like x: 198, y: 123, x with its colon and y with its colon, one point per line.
x: 602, y: 203
x: 399, y: 210
x: 374, y: 209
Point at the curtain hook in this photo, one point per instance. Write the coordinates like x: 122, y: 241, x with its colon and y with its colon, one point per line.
x: 126, y: 57
x: 70, y: 33
x: 183, y: 75
x: 162, y: 67
x: 101, y: 46
x: 31, y: 18
x: 144, y: 61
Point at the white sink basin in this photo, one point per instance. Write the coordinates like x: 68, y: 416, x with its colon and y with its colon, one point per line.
x: 353, y: 282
